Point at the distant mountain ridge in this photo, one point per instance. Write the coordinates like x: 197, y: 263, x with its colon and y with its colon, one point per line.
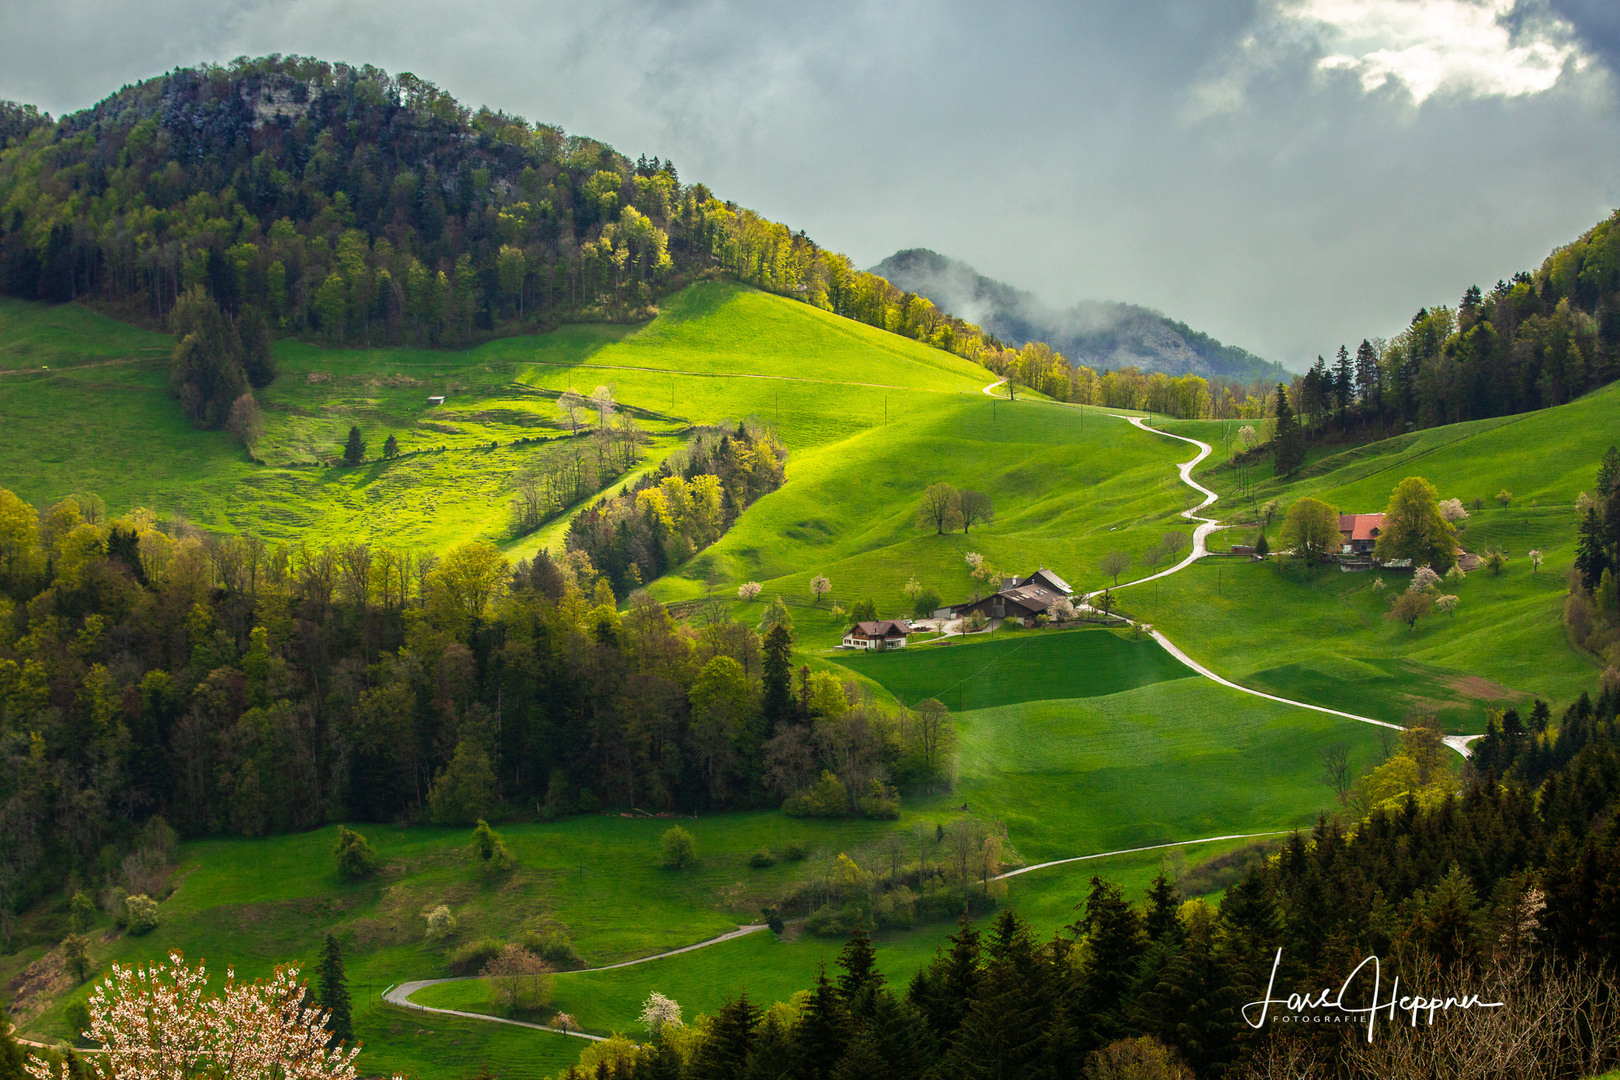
x: 1098, y: 333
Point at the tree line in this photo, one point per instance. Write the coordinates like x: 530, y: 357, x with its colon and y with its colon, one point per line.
x: 682, y: 507
x: 233, y: 685
x: 1507, y: 887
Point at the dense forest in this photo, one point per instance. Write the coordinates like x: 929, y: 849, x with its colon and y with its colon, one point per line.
x: 228, y: 685
x: 363, y: 208
x: 1509, y: 889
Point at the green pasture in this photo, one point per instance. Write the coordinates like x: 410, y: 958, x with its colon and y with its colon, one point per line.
x: 1013, y: 666
x: 1320, y: 635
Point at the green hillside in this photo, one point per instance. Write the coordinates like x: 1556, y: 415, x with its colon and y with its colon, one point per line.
x: 1320, y: 634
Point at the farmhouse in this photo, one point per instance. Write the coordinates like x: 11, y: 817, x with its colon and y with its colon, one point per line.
x: 877, y: 636
x: 1359, y: 532
x: 1020, y: 598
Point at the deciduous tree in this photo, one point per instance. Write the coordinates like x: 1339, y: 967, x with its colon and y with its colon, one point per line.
x: 1415, y: 529
x: 1311, y: 529
x: 941, y: 508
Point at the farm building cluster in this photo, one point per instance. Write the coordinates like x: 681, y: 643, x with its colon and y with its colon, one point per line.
x: 1022, y: 599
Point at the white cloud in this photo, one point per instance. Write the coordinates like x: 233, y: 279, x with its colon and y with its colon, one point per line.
x: 1481, y: 49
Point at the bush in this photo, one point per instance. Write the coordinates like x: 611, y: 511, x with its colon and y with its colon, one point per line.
x: 440, y: 923
x: 474, y: 955
x: 795, y: 851
x: 82, y: 912
x: 926, y: 603
x: 678, y: 849
x: 1145, y: 1058
x: 880, y: 803
x: 1262, y: 546
x: 141, y: 914
x: 587, y: 803
x: 827, y: 921
x: 77, y: 1018
x: 554, y: 947
x: 773, y: 919
x: 491, y: 849
x: 762, y: 858
x: 355, y: 858
x: 827, y: 797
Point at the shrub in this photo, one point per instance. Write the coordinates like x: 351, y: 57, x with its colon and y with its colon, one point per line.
x: 826, y: 921
x: 441, y: 923
x: 976, y: 621
x: 773, y: 919
x: 1262, y: 546
x: 141, y: 913
x: 677, y: 848
x: 355, y: 858
x: 795, y: 851
x: 76, y: 956
x: 490, y: 849
x: 83, y: 912
x: 474, y: 955
x: 587, y: 803
x: 77, y: 1018
x: 554, y: 947
x: 762, y: 858
x: 1496, y: 561
x: 880, y: 803
x: 827, y: 797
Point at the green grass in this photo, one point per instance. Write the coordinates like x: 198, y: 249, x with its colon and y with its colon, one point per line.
x: 1320, y: 636
x: 1018, y: 666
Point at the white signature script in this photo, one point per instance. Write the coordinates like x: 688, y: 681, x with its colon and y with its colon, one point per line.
x: 1413, y: 1004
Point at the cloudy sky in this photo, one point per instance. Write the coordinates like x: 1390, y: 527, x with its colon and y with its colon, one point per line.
x: 1285, y: 174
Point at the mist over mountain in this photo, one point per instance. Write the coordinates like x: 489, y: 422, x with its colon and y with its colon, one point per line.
x: 1098, y: 333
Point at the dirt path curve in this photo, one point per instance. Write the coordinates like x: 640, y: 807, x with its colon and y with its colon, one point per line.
x: 1206, y: 526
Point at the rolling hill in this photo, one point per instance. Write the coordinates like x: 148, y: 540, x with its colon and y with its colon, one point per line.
x: 1099, y: 334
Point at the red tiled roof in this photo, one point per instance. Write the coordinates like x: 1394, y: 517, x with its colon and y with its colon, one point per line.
x: 1361, y: 526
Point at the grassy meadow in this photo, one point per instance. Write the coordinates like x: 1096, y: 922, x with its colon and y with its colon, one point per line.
x: 1320, y: 635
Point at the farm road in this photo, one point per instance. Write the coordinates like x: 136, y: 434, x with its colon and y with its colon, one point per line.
x: 1206, y: 526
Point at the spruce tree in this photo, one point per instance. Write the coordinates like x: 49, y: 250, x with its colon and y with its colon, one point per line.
x: 1004, y: 1033
x: 777, y: 674
x: 354, y: 451
x: 1288, y: 444
x: 1591, y: 556
x: 391, y: 447
x: 943, y: 989
x: 1162, y: 922
x: 334, y: 992
x: 1115, y: 942
x: 861, y: 980
x: 724, y: 1054
x: 822, y: 1032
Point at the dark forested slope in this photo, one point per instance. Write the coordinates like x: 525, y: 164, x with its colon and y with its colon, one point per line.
x: 1100, y: 334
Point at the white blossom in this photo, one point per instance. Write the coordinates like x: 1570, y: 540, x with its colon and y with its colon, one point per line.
x: 659, y: 1012
x: 158, y: 1023
x: 748, y: 590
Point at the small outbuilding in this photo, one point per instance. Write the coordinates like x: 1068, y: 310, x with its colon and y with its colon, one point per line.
x: 877, y: 636
x: 437, y: 400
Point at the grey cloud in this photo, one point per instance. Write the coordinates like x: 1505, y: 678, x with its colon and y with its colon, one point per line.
x: 1048, y: 144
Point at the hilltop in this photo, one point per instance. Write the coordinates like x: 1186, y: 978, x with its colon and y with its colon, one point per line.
x: 1098, y: 333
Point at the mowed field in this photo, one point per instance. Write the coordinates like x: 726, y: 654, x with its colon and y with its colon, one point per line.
x: 1321, y: 635
x: 1084, y: 740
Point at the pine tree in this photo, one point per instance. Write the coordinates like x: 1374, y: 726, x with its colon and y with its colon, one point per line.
x: 1289, y: 441
x: 1114, y: 944
x: 1162, y: 922
x: 1004, y: 1033
x: 777, y: 674
x: 1342, y: 383
x: 334, y: 992
x: 822, y: 1032
x: 354, y: 451
x: 724, y: 1054
x: 1608, y: 471
x: 943, y: 989
x: 391, y: 447
x: 903, y: 1039
x: 1591, y: 558
x: 861, y: 980
x: 1367, y: 374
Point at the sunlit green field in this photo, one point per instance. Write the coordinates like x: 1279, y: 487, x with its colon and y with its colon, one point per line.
x: 1321, y: 636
